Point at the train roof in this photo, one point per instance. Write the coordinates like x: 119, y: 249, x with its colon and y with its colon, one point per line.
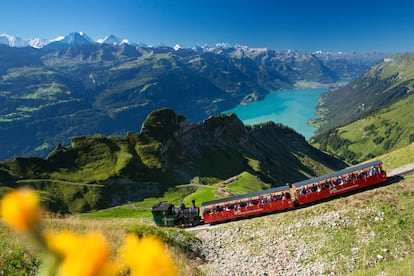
x: 337, y: 173
x: 162, y: 206
x: 244, y: 196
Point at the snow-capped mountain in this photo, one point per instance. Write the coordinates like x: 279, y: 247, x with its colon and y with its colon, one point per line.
x: 38, y: 42
x: 80, y: 38
x: 113, y: 40
x: 13, y: 41
x: 74, y: 39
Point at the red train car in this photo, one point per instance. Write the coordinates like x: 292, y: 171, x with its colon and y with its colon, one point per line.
x: 339, y: 182
x: 247, y: 205
x: 302, y: 193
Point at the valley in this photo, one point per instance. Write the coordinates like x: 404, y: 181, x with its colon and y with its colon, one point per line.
x: 81, y: 88
x: 371, y: 115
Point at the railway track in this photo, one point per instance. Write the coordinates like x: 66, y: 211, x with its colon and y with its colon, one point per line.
x: 402, y: 171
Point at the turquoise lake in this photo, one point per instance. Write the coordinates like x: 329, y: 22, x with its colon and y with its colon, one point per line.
x: 292, y: 107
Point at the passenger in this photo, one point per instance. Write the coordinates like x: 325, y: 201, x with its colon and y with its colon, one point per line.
x: 303, y: 191
x: 373, y: 171
x: 219, y: 208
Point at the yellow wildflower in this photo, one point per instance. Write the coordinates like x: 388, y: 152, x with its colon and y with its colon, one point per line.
x: 20, y: 209
x: 82, y: 255
x: 147, y: 256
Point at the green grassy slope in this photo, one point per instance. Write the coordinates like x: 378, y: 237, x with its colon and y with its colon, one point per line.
x: 97, y: 171
x: 382, y: 85
x: 398, y: 158
x: 388, y: 129
x: 243, y: 183
x: 214, y: 189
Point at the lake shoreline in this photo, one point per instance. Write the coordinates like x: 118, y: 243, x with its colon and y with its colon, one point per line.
x: 295, y: 108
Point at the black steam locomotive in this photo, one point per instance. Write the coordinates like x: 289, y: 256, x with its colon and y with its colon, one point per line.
x: 166, y: 214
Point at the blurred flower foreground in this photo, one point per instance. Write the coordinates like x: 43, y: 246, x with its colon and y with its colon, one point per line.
x: 68, y: 253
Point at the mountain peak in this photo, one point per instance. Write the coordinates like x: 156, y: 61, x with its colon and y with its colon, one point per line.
x: 13, y: 41
x: 113, y: 40
x: 38, y: 42
x: 77, y: 38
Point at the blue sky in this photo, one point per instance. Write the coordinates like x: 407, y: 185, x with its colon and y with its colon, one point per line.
x: 364, y: 25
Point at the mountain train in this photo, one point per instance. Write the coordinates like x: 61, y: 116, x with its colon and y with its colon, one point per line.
x: 272, y: 200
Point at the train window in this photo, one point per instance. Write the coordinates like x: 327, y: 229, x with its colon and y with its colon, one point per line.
x: 242, y: 204
x: 230, y: 206
x: 207, y: 211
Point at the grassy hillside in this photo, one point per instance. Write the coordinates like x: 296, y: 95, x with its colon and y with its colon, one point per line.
x: 385, y: 130
x: 202, y: 190
x: 98, y: 172
x: 19, y: 256
x: 398, y: 158
x: 242, y: 184
x: 382, y: 85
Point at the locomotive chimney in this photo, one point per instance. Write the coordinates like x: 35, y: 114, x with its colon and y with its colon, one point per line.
x: 193, y: 201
